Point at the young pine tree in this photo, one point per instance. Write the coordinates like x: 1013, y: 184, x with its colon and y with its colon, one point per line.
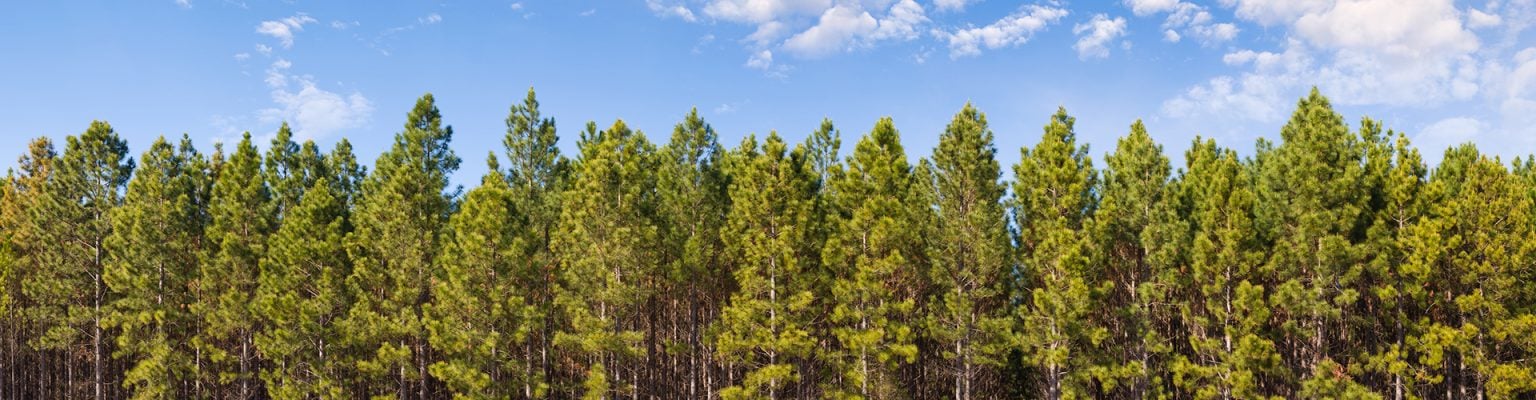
x: 1310, y: 207
x: 302, y: 295
x: 1053, y: 196
x: 765, y: 327
x: 475, y: 320
x: 240, y: 219
x: 691, y: 190
x: 875, y: 255
x: 68, y: 293
x: 394, y: 248
x: 1131, y: 192
x: 156, y: 239
x: 537, y: 173
x: 970, y: 254
x: 607, y: 238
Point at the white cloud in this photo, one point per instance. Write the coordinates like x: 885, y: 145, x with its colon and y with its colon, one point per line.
x: 1446, y: 133
x: 344, y: 25
x: 589, y: 12
x: 264, y: 49
x: 1144, y: 8
x: 1415, y: 54
x: 1185, y: 19
x: 845, y: 27
x: 674, y: 10
x: 760, y: 11
x: 1013, y: 30
x: 760, y: 60
x: 516, y: 6
x: 725, y: 108
x: 277, y: 76
x: 430, y: 19
x: 1478, y: 19
x: 314, y: 112
x: 184, y: 3
x: 1095, y: 34
x: 1261, y: 94
x: 1272, y: 12
x: 951, y: 5
x: 242, y: 56
x: 284, y: 29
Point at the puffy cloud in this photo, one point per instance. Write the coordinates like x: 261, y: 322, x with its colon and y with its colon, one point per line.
x: 1144, y: 8
x: 760, y: 11
x: 314, y: 112
x: 671, y: 10
x: 1446, y: 133
x: 1261, y: 94
x: 848, y: 26
x: 430, y: 19
x: 760, y: 60
x: 1272, y: 12
x: 1479, y: 19
x: 1012, y: 30
x: 283, y: 29
x: 1411, y: 54
x: 951, y: 5
x: 1096, y: 34
x: 1185, y: 19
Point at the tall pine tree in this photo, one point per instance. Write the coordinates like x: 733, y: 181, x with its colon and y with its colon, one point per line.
x: 766, y: 326
x: 970, y: 254
x: 154, y: 248
x: 69, y: 294
x: 875, y: 256
x: 398, y: 221
x: 1053, y: 196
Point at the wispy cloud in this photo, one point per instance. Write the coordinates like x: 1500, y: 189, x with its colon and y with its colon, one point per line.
x: 284, y: 29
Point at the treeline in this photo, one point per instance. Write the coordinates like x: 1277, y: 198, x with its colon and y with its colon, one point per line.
x: 1330, y: 264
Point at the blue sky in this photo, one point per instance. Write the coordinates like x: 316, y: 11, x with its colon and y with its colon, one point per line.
x: 1444, y: 72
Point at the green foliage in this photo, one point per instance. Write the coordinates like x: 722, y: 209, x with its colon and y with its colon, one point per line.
x: 397, y: 223
x: 68, y: 294
x: 475, y: 318
x: 875, y: 258
x: 153, y: 253
x: 766, y: 325
x: 970, y: 254
x: 1332, y: 263
x: 607, y: 238
x: 1053, y: 196
x: 1132, y: 192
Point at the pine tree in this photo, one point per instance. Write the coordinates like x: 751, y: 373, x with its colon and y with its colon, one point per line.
x: 692, y: 204
x: 607, y: 241
x: 394, y: 247
x: 537, y: 173
x: 1311, y: 189
x: 23, y: 193
x: 1131, y: 191
x: 475, y: 318
x: 1397, y: 172
x: 1053, y: 196
x: 970, y: 254
x: 1481, y: 260
x: 69, y: 295
x: 766, y: 325
x: 240, y: 220
x: 289, y: 169
x: 301, y: 295
x: 1212, y: 272
x: 154, y: 249
x: 875, y: 256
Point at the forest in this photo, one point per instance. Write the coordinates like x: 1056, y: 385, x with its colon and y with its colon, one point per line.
x: 1331, y: 262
